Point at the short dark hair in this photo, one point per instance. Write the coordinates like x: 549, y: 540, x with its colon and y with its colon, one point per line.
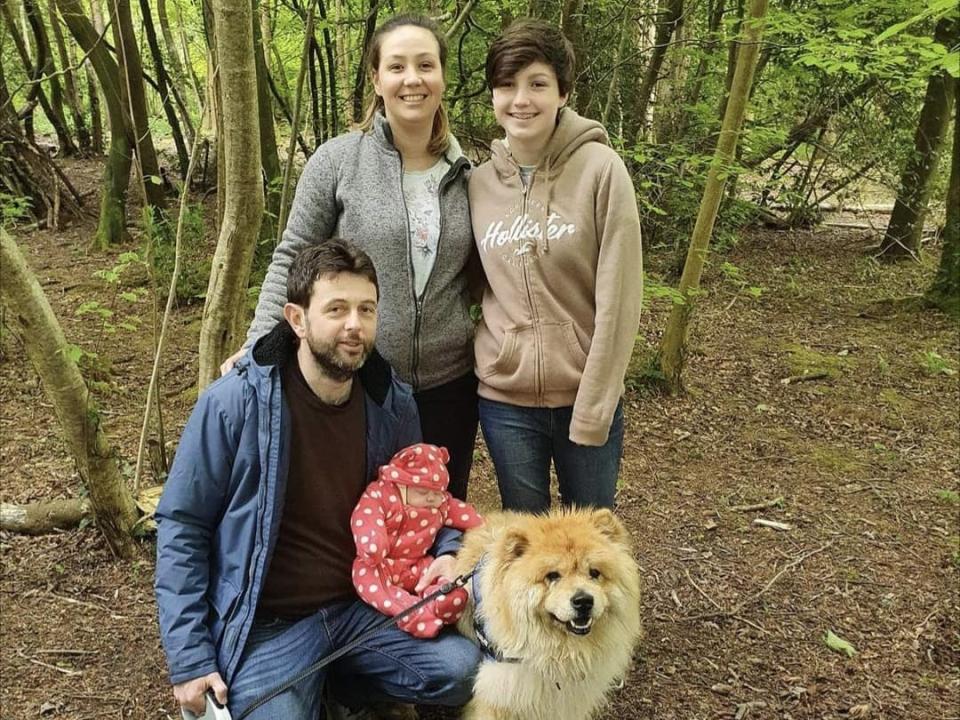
x: 320, y: 260
x: 527, y: 41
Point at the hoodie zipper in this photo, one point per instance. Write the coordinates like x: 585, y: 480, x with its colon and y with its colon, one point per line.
x: 417, y: 302
x: 527, y: 286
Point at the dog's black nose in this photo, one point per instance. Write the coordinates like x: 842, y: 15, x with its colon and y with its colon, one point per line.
x: 582, y: 602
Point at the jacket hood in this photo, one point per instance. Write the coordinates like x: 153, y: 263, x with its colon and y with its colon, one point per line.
x: 572, y: 132
x: 421, y: 465
x: 279, y: 346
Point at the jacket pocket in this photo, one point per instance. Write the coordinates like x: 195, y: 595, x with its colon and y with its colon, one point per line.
x: 224, y: 598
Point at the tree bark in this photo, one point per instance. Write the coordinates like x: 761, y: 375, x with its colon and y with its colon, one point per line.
x: 370, y: 24
x: 43, y: 517
x: 621, y: 50
x: 69, y: 81
x: 131, y: 79
x: 670, y: 19
x: 902, y: 239
x: 331, y: 71
x: 269, y: 155
x: 164, y: 88
x: 673, y: 346
x: 243, y: 199
x: 945, y: 291
x: 31, y: 315
x: 116, y: 174
x: 38, y: 69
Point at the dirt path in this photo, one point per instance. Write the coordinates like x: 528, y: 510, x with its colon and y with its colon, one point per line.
x: 809, y: 395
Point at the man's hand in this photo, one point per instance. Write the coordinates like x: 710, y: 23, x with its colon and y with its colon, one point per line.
x: 441, y: 567
x: 228, y: 364
x: 190, y: 693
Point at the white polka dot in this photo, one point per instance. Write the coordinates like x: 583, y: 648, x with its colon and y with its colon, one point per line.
x: 436, y: 478
x: 424, y: 471
x: 416, y: 481
x: 374, y: 603
x: 363, y: 571
x: 465, y: 517
x: 379, y: 522
x: 424, y: 522
x: 394, y: 474
x: 418, y: 450
x: 406, y: 551
x: 359, y: 523
x: 373, y: 588
x: 461, y: 505
x: 433, y: 511
x: 432, y: 457
x: 433, y: 531
x: 364, y: 539
x: 421, y: 626
x: 413, y: 513
x: 441, y: 598
x: 446, y: 615
x: 396, y: 578
x: 393, y: 498
x: 387, y: 603
x: 373, y: 547
x: 410, y: 533
x: 419, y: 542
x: 458, y: 602
x: 438, y: 621
x: 367, y: 511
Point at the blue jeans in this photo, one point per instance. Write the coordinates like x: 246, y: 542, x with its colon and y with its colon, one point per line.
x: 392, y: 665
x: 523, y: 440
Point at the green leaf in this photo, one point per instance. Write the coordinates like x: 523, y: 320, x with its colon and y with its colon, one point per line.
x: 838, y: 644
x: 129, y: 296
x: 155, y: 179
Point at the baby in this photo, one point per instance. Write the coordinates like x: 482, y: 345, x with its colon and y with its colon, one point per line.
x: 394, y: 525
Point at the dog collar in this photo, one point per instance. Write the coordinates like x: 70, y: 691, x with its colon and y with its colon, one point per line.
x: 487, y: 647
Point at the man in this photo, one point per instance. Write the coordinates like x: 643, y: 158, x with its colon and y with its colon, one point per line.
x: 254, y: 547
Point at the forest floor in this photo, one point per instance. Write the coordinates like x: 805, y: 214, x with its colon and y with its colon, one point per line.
x: 818, y: 394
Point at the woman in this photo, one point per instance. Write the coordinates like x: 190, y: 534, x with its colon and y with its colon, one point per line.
x: 397, y: 188
x: 556, y: 224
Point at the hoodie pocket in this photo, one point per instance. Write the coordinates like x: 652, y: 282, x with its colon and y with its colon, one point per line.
x: 554, y: 347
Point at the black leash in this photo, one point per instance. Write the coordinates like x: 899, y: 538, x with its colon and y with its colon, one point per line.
x: 445, y: 589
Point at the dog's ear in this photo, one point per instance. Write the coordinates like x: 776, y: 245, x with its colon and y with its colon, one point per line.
x: 610, y: 526
x: 514, y: 543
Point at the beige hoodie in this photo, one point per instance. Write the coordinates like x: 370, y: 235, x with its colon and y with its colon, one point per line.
x: 562, y: 308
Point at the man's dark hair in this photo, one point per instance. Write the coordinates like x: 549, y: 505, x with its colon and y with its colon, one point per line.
x: 330, y: 257
x: 527, y: 41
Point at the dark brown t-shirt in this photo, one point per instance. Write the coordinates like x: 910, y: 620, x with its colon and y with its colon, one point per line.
x: 314, y: 553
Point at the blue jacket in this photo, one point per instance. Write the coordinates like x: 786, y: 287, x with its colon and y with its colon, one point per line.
x: 222, y: 503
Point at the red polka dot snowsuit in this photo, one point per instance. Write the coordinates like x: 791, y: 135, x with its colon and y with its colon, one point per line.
x: 393, y: 540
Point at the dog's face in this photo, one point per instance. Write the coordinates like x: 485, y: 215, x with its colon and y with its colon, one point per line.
x: 565, y: 570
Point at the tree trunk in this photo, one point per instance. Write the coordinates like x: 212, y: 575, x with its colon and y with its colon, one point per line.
x: 69, y: 80
x: 902, y: 239
x: 243, y: 206
x: 673, y: 346
x: 331, y: 71
x: 618, y: 54
x: 269, y: 156
x: 43, y: 517
x: 131, y: 79
x: 116, y: 174
x: 30, y: 314
x: 369, y: 26
x: 945, y: 291
x: 670, y: 19
x: 163, y: 86
x: 39, y: 68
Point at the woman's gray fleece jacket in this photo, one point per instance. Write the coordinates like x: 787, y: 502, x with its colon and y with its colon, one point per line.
x: 351, y: 188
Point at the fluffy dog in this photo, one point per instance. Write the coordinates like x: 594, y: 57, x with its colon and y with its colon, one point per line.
x: 555, y: 605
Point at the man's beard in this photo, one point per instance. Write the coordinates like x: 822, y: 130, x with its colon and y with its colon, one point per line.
x: 334, y: 366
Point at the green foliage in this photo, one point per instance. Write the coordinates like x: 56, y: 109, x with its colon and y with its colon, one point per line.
x: 159, y: 250
x: 13, y: 208
x: 933, y: 364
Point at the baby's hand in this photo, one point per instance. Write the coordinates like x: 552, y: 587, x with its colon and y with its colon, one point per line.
x: 442, y: 568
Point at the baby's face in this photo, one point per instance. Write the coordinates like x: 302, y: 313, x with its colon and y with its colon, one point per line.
x: 424, y: 497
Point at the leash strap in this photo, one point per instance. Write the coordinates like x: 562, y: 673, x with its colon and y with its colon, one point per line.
x: 445, y: 589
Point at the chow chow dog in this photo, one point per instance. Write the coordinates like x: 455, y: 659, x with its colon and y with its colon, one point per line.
x: 555, y: 607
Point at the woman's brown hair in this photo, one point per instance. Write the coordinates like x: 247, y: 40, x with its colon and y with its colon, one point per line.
x: 440, y: 136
